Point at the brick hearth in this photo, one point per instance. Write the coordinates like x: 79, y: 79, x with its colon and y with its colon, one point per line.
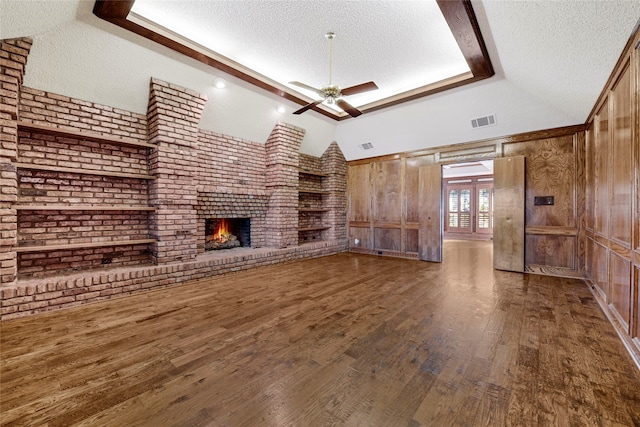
x: 97, y: 202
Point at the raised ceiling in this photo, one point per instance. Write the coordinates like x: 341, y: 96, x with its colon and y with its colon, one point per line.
x: 270, y: 44
x: 551, y: 61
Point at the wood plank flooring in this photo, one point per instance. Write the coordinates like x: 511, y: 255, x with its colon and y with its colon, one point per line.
x: 353, y: 340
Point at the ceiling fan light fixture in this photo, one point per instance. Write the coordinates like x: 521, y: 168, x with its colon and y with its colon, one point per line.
x: 332, y: 94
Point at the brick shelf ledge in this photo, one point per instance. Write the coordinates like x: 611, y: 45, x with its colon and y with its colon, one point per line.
x: 46, y: 248
x: 312, y: 173
x: 86, y: 135
x: 81, y: 171
x: 81, y: 207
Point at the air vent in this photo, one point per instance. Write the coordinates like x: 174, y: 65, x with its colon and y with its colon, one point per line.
x: 366, y: 146
x: 483, y: 121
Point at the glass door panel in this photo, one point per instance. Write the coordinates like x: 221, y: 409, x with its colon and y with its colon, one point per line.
x: 459, y: 209
x: 485, y: 209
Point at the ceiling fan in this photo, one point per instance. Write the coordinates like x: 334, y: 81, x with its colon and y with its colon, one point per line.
x: 331, y: 93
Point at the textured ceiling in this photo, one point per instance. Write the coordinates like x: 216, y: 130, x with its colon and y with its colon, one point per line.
x: 285, y: 41
x: 552, y: 59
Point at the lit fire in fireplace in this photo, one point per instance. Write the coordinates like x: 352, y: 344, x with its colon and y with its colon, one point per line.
x: 221, y: 234
x: 222, y: 237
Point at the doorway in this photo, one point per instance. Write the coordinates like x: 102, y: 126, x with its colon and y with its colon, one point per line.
x: 468, y: 200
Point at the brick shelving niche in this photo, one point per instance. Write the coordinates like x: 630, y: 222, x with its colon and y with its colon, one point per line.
x: 98, y: 202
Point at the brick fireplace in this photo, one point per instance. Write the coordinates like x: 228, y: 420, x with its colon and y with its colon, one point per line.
x: 98, y: 202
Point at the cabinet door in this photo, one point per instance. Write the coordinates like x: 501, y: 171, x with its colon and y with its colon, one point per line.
x: 430, y: 225
x: 508, y: 233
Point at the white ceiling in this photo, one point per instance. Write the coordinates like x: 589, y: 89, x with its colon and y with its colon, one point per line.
x: 552, y: 59
x: 285, y: 41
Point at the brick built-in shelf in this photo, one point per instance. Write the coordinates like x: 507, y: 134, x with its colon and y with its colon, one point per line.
x: 319, y: 228
x: 106, y: 205
x: 65, y: 246
x: 311, y: 204
x: 313, y: 191
x: 311, y: 173
x: 82, y: 208
x: 81, y: 171
x: 81, y: 134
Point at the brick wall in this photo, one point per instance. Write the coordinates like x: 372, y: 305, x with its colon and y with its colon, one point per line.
x: 13, y: 60
x: 335, y: 165
x: 42, y: 187
x: 229, y: 165
x: 282, y: 160
x: 173, y: 116
x: 196, y: 175
x: 41, y: 264
x: 40, y: 149
x: 57, y: 110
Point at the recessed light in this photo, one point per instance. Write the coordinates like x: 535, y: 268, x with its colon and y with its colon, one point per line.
x: 280, y: 109
x: 219, y: 83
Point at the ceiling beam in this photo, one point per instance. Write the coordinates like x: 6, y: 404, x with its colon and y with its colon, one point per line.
x: 459, y: 15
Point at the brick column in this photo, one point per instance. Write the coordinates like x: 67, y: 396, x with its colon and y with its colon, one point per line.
x: 282, y: 159
x: 335, y: 166
x: 173, y: 117
x: 13, y: 60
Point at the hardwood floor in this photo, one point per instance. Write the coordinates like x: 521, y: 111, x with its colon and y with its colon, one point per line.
x: 342, y: 340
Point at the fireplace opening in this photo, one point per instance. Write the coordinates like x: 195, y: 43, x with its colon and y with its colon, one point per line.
x: 227, y: 233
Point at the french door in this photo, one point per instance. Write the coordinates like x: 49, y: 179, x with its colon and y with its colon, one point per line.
x: 469, y: 207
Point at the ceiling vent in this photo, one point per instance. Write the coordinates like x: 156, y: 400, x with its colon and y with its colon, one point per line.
x: 366, y: 146
x: 481, y: 122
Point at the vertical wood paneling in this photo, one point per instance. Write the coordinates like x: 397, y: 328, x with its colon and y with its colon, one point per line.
x: 412, y: 187
x: 620, y: 291
x: 388, y: 192
x: 387, y: 239
x: 509, y: 217
x: 621, y: 160
x: 589, y: 269
x: 601, y: 269
x: 363, y: 235
x: 431, y: 230
x: 580, y: 194
x: 412, y: 242
x: 550, y: 172
x: 551, y: 251
x: 636, y: 291
x: 359, y: 192
x: 601, y: 190
x: 590, y: 166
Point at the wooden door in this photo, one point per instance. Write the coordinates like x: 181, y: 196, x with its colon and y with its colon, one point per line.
x: 430, y: 222
x: 509, y: 218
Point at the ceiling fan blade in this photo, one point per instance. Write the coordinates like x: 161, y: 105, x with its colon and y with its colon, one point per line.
x: 363, y: 87
x: 353, y: 111
x: 308, y: 106
x: 305, y: 86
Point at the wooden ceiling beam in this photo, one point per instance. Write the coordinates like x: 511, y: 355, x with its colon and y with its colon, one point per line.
x: 459, y: 15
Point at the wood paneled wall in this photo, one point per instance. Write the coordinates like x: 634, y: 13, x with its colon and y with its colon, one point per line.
x: 612, y: 225
x: 383, y: 197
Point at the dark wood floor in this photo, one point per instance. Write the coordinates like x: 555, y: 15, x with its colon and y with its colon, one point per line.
x: 342, y: 340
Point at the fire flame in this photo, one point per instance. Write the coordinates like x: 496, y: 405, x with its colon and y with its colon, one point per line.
x: 221, y: 233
